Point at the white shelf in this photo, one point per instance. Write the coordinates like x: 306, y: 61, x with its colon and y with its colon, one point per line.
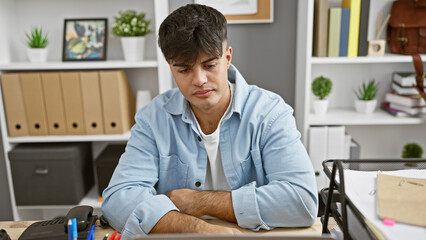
x: 72, y: 138
x: 387, y: 58
x: 59, y: 65
x: 90, y: 199
x: 351, y: 117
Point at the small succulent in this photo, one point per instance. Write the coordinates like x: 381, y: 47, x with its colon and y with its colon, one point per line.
x: 36, y: 39
x: 368, y: 91
x: 130, y: 24
x: 321, y: 87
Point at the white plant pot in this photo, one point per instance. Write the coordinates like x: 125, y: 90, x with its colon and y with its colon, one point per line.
x: 320, y: 106
x: 37, y: 55
x: 365, y: 106
x: 133, y: 48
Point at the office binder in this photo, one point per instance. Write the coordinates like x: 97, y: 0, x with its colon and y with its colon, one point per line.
x: 54, y: 102
x: 92, y: 105
x: 35, y: 109
x: 343, y: 209
x: 118, y: 102
x: 73, y: 103
x: 16, y: 117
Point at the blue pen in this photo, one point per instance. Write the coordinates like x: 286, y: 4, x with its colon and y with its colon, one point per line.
x: 74, y: 229
x: 91, y: 234
x: 69, y: 229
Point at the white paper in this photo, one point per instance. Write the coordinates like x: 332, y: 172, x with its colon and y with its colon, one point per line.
x: 232, y: 7
x: 361, y: 187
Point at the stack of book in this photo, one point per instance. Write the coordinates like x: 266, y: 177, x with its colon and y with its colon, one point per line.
x: 404, y: 99
x: 341, y: 30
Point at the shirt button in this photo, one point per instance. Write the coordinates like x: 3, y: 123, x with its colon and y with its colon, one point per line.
x: 199, y: 138
x: 197, y: 184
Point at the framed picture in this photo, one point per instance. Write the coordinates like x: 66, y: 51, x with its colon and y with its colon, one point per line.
x: 248, y: 11
x: 85, y: 39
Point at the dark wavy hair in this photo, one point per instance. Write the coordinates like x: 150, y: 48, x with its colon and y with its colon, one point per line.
x: 190, y: 30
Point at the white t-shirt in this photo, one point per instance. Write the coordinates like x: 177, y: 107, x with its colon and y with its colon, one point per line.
x: 215, y: 175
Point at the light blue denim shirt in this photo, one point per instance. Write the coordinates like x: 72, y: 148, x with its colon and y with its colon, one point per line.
x: 265, y: 163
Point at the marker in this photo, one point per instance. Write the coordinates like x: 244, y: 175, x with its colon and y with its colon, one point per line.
x: 113, y: 235
x: 69, y: 229
x: 91, y: 234
x: 118, y: 238
x: 74, y: 229
x: 106, y: 237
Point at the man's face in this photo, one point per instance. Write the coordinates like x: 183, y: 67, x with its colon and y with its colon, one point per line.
x: 204, y: 83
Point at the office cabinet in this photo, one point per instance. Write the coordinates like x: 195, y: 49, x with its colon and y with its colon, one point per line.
x: 380, y: 134
x: 19, y: 16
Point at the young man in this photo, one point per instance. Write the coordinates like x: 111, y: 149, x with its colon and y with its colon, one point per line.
x: 216, y: 146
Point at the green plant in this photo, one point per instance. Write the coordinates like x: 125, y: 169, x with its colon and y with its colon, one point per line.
x: 36, y: 39
x: 412, y: 150
x: 130, y: 24
x: 367, y: 91
x: 321, y: 87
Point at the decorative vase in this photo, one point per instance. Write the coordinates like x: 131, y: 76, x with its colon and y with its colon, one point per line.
x: 133, y: 48
x: 320, y: 106
x: 365, y: 106
x: 37, y: 55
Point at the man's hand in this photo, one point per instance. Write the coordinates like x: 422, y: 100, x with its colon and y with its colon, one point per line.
x: 176, y: 222
x: 200, y: 203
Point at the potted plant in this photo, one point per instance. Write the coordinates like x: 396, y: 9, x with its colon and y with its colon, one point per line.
x: 321, y: 87
x: 131, y: 27
x: 366, y: 102
x: 412, y: 150
x: 37, y: 43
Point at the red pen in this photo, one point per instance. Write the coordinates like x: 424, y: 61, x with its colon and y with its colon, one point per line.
x: 113, y: 235
x: 118, y: 237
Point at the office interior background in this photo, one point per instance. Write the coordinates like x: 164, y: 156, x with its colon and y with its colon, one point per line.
x: 264, y: 53
x: 267, y: 55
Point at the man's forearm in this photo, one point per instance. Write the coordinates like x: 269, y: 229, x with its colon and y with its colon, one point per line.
x: 176, y: 222
x: 199, y: 203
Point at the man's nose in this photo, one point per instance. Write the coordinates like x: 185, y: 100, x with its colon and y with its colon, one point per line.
x: 200, y: 77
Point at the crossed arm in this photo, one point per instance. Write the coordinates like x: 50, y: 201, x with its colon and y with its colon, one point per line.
x: 192, y: 205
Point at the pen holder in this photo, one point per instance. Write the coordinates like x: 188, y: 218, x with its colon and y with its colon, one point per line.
x: 376, y: 47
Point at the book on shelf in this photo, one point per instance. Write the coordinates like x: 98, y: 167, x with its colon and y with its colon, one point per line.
x: 405, y: 100
x: 404, y: 90
x: 397, y: 113
x: 363, y: 28
x: 344, y: 33
x: 410, y: 110
x: 320, y: 28
x: 405, y: 79
x: 355, y: 11
x: 334, y: 19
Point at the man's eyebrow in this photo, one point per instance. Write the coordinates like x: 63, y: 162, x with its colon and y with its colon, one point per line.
x: 188, y: 65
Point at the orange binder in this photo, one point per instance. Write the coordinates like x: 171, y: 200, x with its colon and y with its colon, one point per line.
x: 73, y: 103
x: 92, y: 105
x: 35, y: 109
x: 54, y: 103
x: 118, y: 102
x: 14, y: 105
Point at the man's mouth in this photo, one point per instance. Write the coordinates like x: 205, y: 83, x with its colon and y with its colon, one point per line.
x: 203, y: 93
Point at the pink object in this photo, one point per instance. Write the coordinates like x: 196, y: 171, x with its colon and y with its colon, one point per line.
x: 388, y: 221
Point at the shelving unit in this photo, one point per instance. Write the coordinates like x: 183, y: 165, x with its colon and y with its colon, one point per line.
x: 19, y: 16
x: 380, y: 134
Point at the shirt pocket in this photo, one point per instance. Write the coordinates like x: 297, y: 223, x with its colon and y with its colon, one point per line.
x: 252, y: 167
x: 173, y: 174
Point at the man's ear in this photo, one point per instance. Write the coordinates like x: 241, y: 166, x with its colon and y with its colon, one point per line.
x: 229, y: 55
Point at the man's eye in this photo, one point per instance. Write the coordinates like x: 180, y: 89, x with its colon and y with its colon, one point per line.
x: 211, y: 65
x: 183, y: 70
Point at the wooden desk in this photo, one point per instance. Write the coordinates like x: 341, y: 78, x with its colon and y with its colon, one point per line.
x: 15, y: 229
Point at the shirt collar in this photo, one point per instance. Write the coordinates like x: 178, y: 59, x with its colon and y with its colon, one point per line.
x: 178, y: 105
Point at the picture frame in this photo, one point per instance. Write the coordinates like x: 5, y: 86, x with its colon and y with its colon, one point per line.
x: 263, y: 12
x: 85, y: 39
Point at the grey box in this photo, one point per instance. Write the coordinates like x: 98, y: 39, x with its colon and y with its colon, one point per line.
x: 106, y: 164
x: 51, y: 173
